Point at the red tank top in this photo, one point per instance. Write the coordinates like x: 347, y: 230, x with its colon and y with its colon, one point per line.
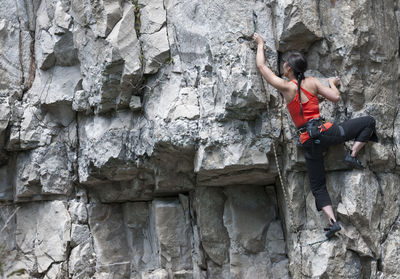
x: 310, y: 108
x: 310, y: 111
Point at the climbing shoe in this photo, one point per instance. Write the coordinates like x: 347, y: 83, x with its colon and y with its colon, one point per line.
x: 331, y: 230
x: 353, y: 161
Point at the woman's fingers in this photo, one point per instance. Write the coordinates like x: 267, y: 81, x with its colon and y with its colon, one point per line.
x: 257, y: 38
x: 335, y: 80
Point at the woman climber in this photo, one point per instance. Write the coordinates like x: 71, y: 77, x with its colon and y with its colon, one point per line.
x: 315, y: 134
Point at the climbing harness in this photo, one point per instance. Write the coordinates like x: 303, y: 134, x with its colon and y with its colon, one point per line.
x: 313, y: 127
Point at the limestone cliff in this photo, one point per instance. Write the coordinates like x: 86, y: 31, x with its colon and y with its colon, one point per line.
x: 136, y: 140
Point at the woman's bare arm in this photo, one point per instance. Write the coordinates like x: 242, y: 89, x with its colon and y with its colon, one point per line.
x: 277, y: 82
x: 332, y: 93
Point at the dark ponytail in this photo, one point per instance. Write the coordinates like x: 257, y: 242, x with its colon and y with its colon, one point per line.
x: 298, y: 63
x: 300, y: 78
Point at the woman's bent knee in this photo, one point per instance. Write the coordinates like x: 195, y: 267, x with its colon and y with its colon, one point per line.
x: 372, y: 122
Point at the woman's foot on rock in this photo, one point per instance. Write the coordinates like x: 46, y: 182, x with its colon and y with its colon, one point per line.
x: 353, y: 161
x: 331, y: 230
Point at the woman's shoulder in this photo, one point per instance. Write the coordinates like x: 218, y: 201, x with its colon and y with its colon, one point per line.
x: 311, y: 80
x: 311, y: 84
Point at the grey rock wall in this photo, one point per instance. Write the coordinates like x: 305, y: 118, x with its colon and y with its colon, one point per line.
x: 136, y: 140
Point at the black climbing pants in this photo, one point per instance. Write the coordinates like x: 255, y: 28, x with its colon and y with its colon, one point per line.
x: 360, y: 129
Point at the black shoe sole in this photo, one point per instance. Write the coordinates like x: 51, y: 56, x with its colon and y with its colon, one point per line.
x: 332, y: 231
x: 354, y: 165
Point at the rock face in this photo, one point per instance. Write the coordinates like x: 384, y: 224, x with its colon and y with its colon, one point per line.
x: 137, y: 138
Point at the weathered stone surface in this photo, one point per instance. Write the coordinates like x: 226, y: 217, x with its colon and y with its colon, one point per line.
x: 62, y: 84
x: 390, y: 253
x: 248, y: 233
x: 4, y: 121
x: 155, y: 50
x: 225, y: 56
x: 209, y: 204
x: 235, y: 244
x: 103, y: 86
x: 396, y: 139
x: 6, y: 187
x: 54, y: 44
x: 77, y: 208
x: 104, y: 140
x: 46, y: 58
x: 82, y: 261
x: 31, y: 133
x: 16, y: 23
x: 139, y: 235
x: 183, y: 274
x: 391, y: 199
x: 135, y: 103
x: 79, y: 234
x: 297, y: 25
x: 348, y: 263
x: 62, y: 19
x: 8, y: 225
x: 80, y: 101
x: 104, y: 16
x: 153, y: 34
x: 156, y: 274
x: 244, y: 266
x: 57, y: 271
x: 109, y: 240
x: 44, y: 171
x: 276, y: 242
x: 153, y: 115
x: 152, y: 15
x: 42, y: 234
x: 64, y: 49
x: 296, y: 191
x: 362, y: 205
x: 124, y: 39
x: 109, y: 155
x: 111, y: 66
x: 173, y: 234
x: 382, y: 157
x: 217, y: 167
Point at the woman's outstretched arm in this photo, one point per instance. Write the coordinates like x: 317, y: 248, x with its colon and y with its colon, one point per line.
x: 332, y: 93
x: 277, y: 82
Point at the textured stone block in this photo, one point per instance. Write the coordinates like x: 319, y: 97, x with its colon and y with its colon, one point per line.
x: 209, y: 204
x: 43, y: 232
x: 173, y: 233
x: 202, y: 121
x: 247, y: 215
x: 155, y: 50
x: 109, y: 238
